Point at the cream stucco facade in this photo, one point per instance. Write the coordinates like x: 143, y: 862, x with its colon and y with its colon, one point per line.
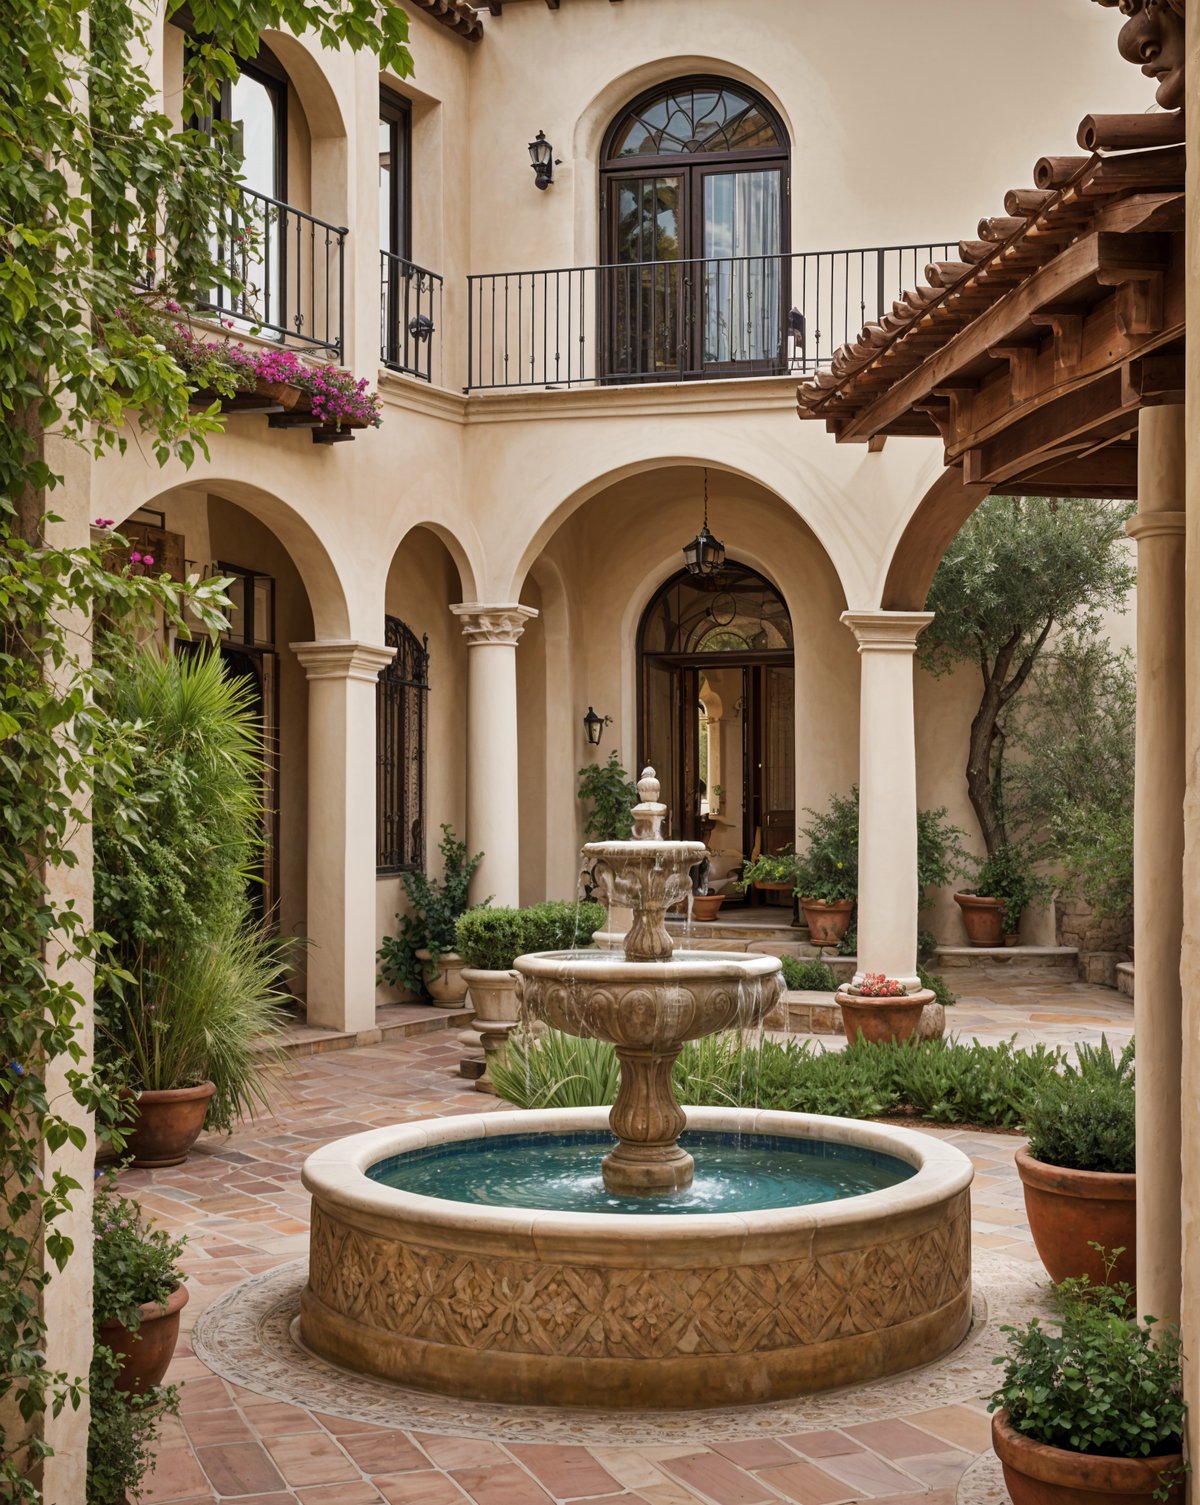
x: 574, y: 503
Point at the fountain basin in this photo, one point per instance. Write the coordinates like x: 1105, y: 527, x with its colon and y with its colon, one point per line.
x: 635, y: 1310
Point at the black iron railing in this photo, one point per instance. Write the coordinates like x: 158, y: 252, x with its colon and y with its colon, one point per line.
x: 410, y: 305
x: 679, y: 320
x: 291, y: 268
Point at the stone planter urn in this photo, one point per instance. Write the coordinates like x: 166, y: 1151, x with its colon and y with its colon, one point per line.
x: 447, y: 987
x: 827, y: 923
x: 144, y: 1356
x: 1036, y: 1474
x: 983, y: 919
x: 706, y: 906
x: 493, y: 996
x: 167, y: 1124
x: 882, y: 1020
x: 1069, y: 1210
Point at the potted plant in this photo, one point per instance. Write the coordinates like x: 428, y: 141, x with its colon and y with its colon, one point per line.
x: 421, y: 957
x: 706, y: 904
x: 881, y: 1009
x: 826, y: 875
x: 1078, y: 1169
x: 1093, y: 1412
x: 1004, y: 885
x: 138, y: 1290
x: 189, y: 1036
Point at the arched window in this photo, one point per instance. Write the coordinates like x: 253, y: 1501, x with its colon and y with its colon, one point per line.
x: 400, y: 715
x: 694, y: 203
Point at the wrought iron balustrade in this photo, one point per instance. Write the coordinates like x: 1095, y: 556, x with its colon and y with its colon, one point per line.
x: 410, y: 306
x: 291, y: 268
x: 702, y: 319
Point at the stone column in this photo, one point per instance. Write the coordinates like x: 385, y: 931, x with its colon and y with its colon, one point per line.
x: 341, y: 830
x: 1158, y: 528
x: 493, y: 821
x: 887, y: 787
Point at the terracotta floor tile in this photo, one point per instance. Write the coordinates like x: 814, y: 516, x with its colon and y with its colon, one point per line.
x: 176, y: 1475
x: 204, y: 1395
x: 204, y: 1428
x: 939, y: 1470
x: 868, y: 1475
x: 718, y: 1479
x: 460, y: 1452
x: 361, y: 1493
x: 433, y: 1488
x: 806, y: 1483
x: 894, y: 1439
x: 567, y: 1472
x: 827, y: 1444
x: 311, y: 1458
x: 240, y: 1469
x: 504, y: 1484
x: 278, y: 1418
x: 341, y: 1426
x: 959, y: 1425
x: 384, y: 1452
x: 758, y: 1453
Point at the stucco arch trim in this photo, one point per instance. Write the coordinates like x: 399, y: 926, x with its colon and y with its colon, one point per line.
x: 322, y: 111
x: 322, y: 581
x: 459, y: 553
x: 927, y: 535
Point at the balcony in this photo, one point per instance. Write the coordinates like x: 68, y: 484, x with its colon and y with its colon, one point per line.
x: 700, y: 320
x: 291, y: 268
x: 410, y: 312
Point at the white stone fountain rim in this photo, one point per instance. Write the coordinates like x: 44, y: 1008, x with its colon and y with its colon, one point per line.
x: 597, y: 967
x: 337, y: 1175
x: 640, y: 846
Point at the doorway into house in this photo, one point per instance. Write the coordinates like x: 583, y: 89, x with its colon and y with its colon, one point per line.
x: 717, y: 716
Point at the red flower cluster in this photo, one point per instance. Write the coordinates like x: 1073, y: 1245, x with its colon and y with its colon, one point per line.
x: 876, y: 985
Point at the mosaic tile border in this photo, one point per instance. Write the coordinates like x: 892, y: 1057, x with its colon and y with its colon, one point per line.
x: 983, y: 1482
x: 246, y: 1336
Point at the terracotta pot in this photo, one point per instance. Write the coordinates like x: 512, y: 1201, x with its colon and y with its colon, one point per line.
x: 1069, y: 1210
x: 167, y: 1124
x: 880, y: 1020
x: 706, y: 906
x: 145, y: 1355
x: 983, y: 919
x: 287, y: 396
x: 446, y: 987
x: 1039, y: 1475
x: 827, y: 923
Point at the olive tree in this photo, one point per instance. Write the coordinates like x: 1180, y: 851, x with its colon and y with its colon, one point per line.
x: 1020, y: 569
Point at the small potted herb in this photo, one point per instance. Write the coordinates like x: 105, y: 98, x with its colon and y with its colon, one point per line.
x: 1078, y: 1170
x: 421, y: 958
x: 1094, y: 1411
x: 138, y: 1290
x: 881, y: 1009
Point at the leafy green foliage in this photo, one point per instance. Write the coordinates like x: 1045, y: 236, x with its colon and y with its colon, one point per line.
x: 493, y: 938
x: 828, y: 869
x: 122, y: 1432
x: 808, y: 976
x: 95, y: 176
x: 1069, y: 789
x: 1084, y: 1119
x: 1009, y: 874
x: 432, y: 921
x: 944, y: 1081
x: 1103, y: 1383
x: 612, y: 795
x: 555, y: 1071
x: 134, y: 1263
x: 1018, y: 569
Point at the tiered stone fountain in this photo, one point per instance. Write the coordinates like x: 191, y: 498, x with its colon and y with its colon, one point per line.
x: 711, y: 1256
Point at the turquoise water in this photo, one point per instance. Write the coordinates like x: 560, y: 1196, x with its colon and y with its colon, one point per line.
x: 561, y: 1173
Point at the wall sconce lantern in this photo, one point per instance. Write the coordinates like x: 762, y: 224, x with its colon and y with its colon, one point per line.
x: 594, y: 726
x: 705, y: 555
x: 541, y: 156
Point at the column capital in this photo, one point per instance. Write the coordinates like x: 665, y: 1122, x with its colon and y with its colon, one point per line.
x: 343, y: 658
x: 1152, y: 524
x: 887, y: 631
x: 493, y: 624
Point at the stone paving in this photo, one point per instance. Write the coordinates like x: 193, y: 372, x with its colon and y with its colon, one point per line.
x: 245, y: 1212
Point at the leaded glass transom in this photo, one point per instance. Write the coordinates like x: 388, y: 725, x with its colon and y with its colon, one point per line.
x: 685, y: 119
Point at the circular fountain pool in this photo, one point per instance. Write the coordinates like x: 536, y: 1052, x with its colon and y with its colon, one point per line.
x: 847, y: 1258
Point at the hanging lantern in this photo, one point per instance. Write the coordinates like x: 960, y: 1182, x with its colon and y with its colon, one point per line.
x: 705, y: 555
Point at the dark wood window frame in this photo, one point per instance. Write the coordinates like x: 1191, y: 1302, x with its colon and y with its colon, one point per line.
x: 397, y: 111
x: 401, y: 733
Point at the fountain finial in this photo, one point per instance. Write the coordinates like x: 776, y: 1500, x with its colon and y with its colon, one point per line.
x: 648, y: 816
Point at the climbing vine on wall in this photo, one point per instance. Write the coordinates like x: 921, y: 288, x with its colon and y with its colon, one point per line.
x: 97, y: 184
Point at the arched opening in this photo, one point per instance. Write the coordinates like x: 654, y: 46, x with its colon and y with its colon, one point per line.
x: 694, y: 233
x: 717, y: 713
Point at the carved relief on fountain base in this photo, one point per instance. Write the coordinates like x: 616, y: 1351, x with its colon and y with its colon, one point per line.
x: 583, y: 1310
